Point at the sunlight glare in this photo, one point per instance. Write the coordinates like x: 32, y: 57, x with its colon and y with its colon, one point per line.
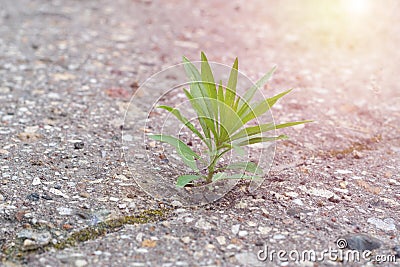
x: 356, y: 6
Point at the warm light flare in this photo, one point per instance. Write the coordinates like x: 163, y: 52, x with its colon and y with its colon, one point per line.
x: 356, y: 6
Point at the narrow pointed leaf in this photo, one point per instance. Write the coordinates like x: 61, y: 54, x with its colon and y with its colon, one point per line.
x: 235, y: 176
x: 240, y: 151
x: 229, y: 121
x: 221, y: 96
x: 184, y: 151
x: 263, y: 106
x: 211, y: 124
x: 197, y: 87
x: 290, y: 124
x: 257, y: 129
x: 236, y: 148
x: 183, y: 119
x: 197, y: 108
x: 245, y: 166
x: 253, y: 130
x: 221, y: 99
x: 230, y: 94
x: 259, y: 84
x: 256, y: 140
x: 185, y: 179
x: 208, y: 80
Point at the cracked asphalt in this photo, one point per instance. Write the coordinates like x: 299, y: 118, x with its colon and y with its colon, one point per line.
x: 68, y: 70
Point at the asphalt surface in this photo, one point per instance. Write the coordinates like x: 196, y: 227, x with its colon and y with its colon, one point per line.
x: 68, y: 187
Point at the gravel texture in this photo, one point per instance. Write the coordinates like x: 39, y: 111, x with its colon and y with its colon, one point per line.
x: 69, y: 68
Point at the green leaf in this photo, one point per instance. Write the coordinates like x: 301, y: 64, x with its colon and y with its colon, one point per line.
x: 253, y: 130
x: 260, y: 83
x: 246, y: 166
x: 218, y: 176
x: 221, y: 99
x: 197, y: 88
x: 185, y: 179
x: 199, y: 111
x: 236, y: 148
x: 290, y: 124
x: 244, y: 103
x: 263, y: 106
x: 183, y: 119
x: 223, y: 175
x: 208, y: 80
x: 221, y: 96
x: 211, y: 125
x: 257, y: 129
x: 230, y: 94
x: 185, y: 152
x: 229, y: 121
x: 256, y: 140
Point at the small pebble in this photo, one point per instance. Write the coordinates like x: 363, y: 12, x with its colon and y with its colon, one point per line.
x: 209, y: 247
x: 139, y: 237
x: 203, y: 224
x: 186, y: 239
x: 57, y: 186
x: 46, y: 197
x: 357, y: 154
x: 176, y: 203
x: 29, y: 244
x: 80, y: 263
x: 279, y: 237
x: 241, y: 205
x: 221, y: 240
x: 4, y: 152
x: 34, y: 196
x: 36, y: 181
x: 5, y: 90
x: 67, y: 226
x: 127, y: 137
x: 291, y: 194
x: 84, y: 194
x: 79, y: 145
x: 64, y: 211
x: 343, y: 171
x: 58, y: 192
x: 361, y: 242
x: 298, y: 201
x: 243, y: 233
x: 235, y: 229
x: 264, y: 230
x: 397, y: 250
x: 132, y: 205
x: 343, y: 184
x: 387, y: 224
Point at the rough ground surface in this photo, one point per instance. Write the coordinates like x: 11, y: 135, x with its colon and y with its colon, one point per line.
x: 68, y: 69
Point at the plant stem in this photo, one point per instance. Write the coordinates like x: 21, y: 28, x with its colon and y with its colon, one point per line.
x: 211, y: 167
x: 210, y: 174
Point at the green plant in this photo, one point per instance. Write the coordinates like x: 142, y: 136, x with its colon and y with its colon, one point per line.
x: 223, y: 117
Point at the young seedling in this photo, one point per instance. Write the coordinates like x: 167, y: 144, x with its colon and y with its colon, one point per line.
x: 224, y: 118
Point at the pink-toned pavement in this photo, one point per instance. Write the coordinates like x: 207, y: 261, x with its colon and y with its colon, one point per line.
x: 69, y: 68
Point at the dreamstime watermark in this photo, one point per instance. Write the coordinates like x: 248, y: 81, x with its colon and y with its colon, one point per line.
x: 333, y: 254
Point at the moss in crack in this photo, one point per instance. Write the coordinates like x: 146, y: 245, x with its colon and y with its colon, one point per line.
x: 16, y: 252
x: 355, y: 146
x: 109, y: 226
